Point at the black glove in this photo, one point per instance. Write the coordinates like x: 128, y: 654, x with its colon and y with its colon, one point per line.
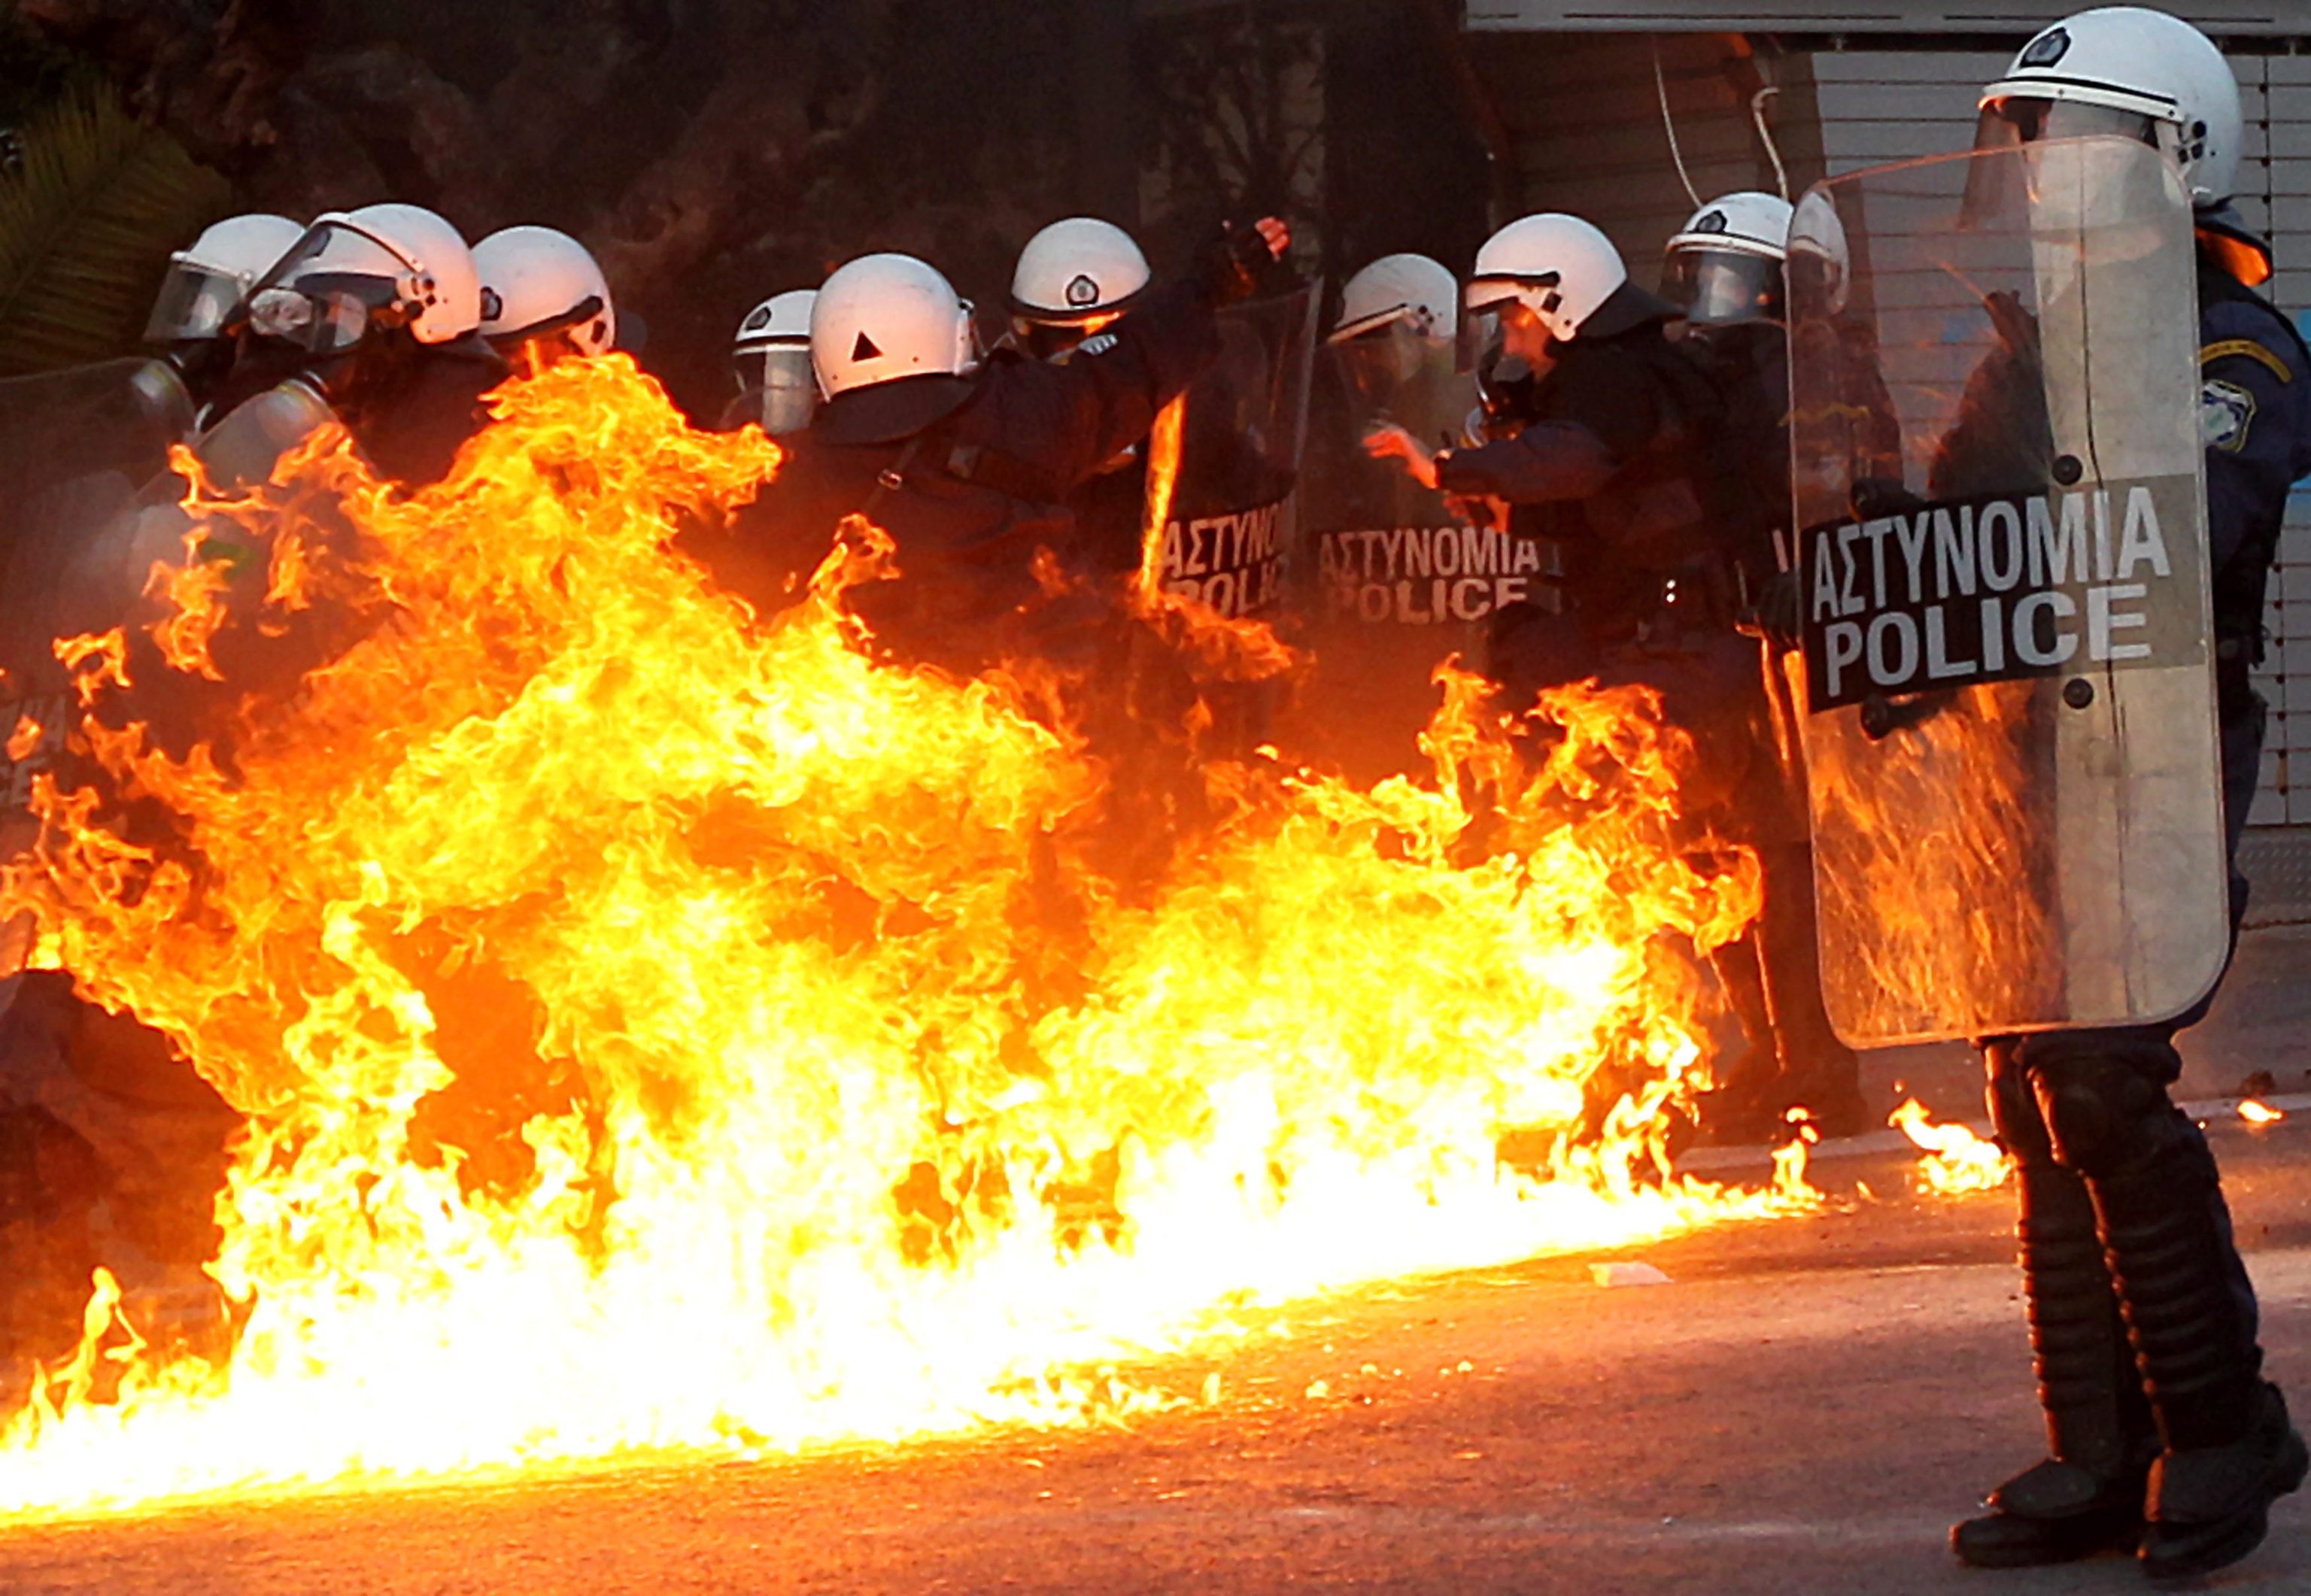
x: 1779, y: 614
x: 2017, y: 327
x: 1236, y: 263
x: 1875, y: 496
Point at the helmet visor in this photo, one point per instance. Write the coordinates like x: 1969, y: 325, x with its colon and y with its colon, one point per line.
x: 585, y: 326
x: 1475, y: 340
x: 322, y: 313
x: 1996, y: 191
x: 1719, y: 287
x: 351, y: 282
x: 778, y: 389
x: 194, y: 302
x: 2028, y: 120
x: 1057, y: 340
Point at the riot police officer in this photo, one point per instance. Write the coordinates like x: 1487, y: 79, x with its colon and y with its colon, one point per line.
x: 2162, y: 1432
x: 544, y: 297
x: 1619, y: 440
x: 1627, y: 451
x: 382, y: 308
x: 1074, y: 279
x: 1723, y: 271
x: 192, y: 315
x: 771, y: 355
x: 1379, y: 618
x: 968, y: 460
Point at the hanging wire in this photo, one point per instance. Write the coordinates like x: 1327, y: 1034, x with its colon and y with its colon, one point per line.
x: 1757, y: 115
x: 1669, y: 124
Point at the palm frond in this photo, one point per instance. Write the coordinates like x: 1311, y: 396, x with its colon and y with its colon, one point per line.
x: 87, y: 221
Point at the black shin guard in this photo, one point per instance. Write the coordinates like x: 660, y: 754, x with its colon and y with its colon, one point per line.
x: 2229, y: 1451
x: 2098, y: 1418
x: 2087, y: 1497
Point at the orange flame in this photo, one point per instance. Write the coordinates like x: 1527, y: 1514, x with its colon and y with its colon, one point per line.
x: 660, y: 1027
x: 1956, y: 1161
x: 2255, y: 1111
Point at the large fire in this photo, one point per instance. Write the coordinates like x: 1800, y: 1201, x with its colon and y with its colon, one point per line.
x: 661, y: 1026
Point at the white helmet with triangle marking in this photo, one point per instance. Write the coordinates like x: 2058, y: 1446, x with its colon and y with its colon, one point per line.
x: 887, y: 318
x: 891, y: 322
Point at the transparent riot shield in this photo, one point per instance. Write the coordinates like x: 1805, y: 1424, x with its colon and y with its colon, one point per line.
x: 79, y: 546
x: 2009, y: 716
x: 1399, y: 579
x: 1223, y: 466
x: 109, y: 572
x: 75, y: 448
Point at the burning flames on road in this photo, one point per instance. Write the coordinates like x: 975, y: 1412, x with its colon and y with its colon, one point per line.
x: 662, y: 1028
x: 1956, y: 1161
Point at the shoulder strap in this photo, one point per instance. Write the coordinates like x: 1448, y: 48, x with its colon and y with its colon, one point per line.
x: 891, y: 477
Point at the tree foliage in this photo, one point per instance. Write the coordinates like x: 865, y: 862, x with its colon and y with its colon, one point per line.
x: 93, y: 204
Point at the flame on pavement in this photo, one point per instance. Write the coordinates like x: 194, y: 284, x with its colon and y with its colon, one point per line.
x: 1956, y: 1160
x: 658, y: 1026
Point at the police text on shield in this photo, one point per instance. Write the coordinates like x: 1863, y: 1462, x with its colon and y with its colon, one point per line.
x: 2003, y: 588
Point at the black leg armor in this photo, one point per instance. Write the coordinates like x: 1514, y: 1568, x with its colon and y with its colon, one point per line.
x: 2190, y: 1311
x: 2087, y: 1497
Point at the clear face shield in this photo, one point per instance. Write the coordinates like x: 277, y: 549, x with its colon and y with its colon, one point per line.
x: 571, y: 335
x: 1995, y: 195
x: 1477, y: 341
x: 1057, y: 341
x: 195, y: 302
x: 1494, y: 339
x: 1724, y: 287
x: 778, y: 390
x: 331, y: 290
x: 1383, y: 359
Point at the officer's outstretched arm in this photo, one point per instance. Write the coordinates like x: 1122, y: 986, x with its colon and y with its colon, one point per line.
x: 1069, y: 419
x: 1073, y: 419
x: 1549, y: 461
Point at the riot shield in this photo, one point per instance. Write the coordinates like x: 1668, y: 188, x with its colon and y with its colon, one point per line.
x: 238, y: 452
x: 75, y: 448
x: 1399, y: 578
x: 1224, y: 466
x: 79, y: 546
x: 2009, y: 727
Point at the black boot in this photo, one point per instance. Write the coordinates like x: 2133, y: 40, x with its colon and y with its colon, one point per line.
x: 2086, y: 1498
x: 2229, y: 1449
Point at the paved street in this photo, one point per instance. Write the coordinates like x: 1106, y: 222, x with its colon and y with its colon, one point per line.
x: 1803, y: 1409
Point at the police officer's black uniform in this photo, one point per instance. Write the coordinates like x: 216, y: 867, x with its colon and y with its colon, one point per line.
x: 2143, y: 1317
x: 992, y: 561
x: 1634, y: 463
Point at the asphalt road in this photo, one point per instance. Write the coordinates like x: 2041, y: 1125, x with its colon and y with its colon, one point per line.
x: 1804, y: 1407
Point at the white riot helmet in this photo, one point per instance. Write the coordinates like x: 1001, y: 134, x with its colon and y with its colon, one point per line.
x: 891, y: 331
x: 772, y: 353
x: 1724, y: 265
x: 1566, y: 272
x: 381, y: 266
x: 781, y: 321
x: 208, y: 280
x: 1410, y: 291
x: 2126, y: 70
x: 1081, y: 269
x: 1818, y: 245
x: 537, y: 282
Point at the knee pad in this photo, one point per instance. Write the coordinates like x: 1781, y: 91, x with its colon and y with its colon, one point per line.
x: 2101, y: 1113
